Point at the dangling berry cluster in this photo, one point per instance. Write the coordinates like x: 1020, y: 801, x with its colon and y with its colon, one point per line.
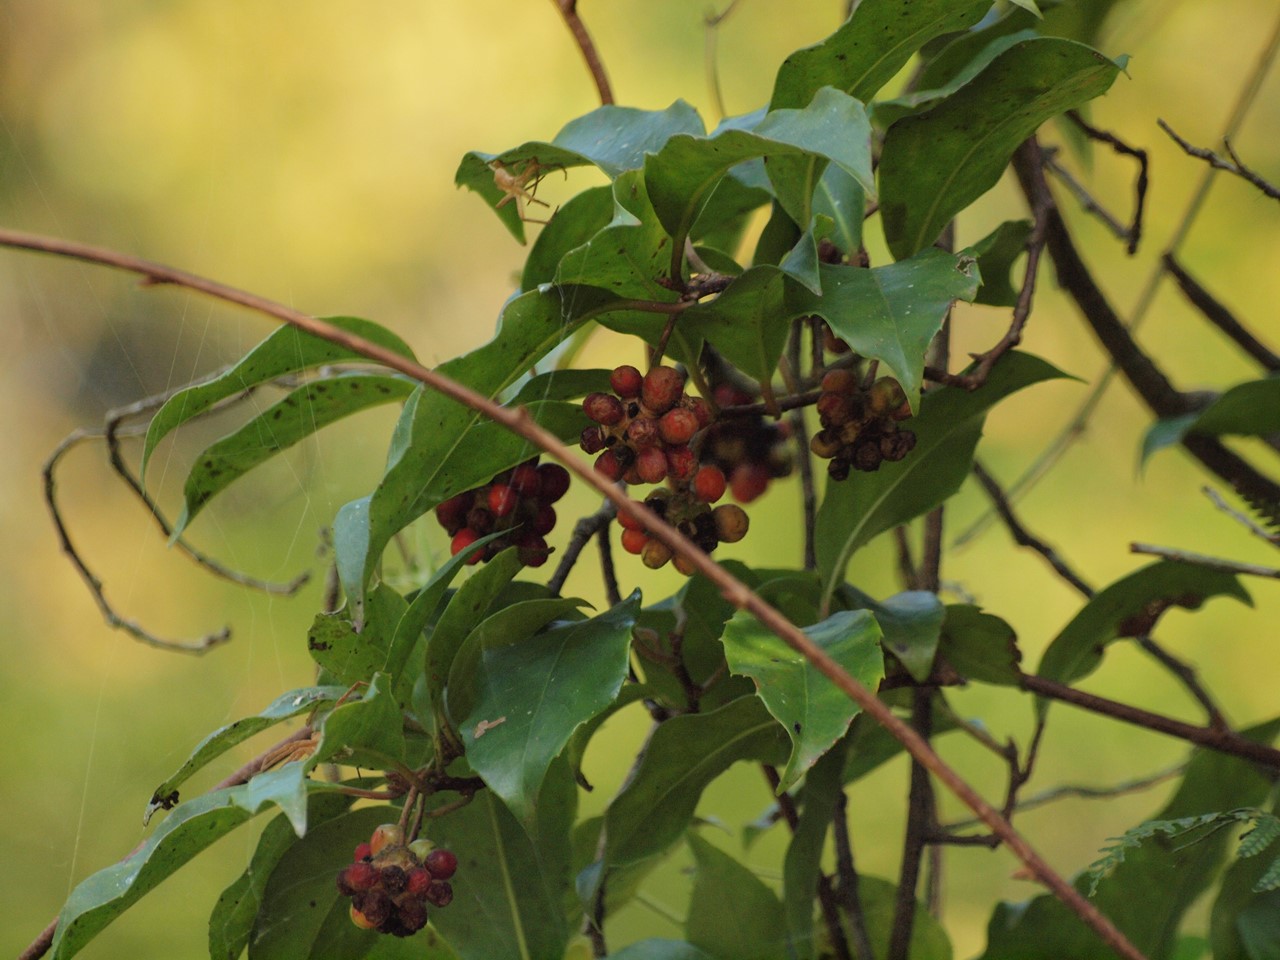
x: 518, y: 501
x: 643, y: 428
x: 390, y: 884
x: 860, y: 427
x: 688, y: 509
x: 750, y: 450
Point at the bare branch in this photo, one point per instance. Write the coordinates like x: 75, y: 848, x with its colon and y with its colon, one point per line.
x: 1220, y: 316
x: 1133, y: 233
x: 1202, y: 560
x: 569, y: 10
x: 1231, y: 166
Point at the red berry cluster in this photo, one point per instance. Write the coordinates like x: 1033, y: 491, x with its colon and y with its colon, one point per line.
x: 390, y: 884
x: 860, y: 427
x: 751, y: 450
x: 643, y: 428
x: 688, y: 509
x: 518, y: 501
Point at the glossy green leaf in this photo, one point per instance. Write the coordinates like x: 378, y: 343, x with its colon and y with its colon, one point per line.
x: 231, y: 922
x: 505, y: 906
x: 466, y: 608
x: 684, y: 755
x: 843, y: 200
x: 630, y: 255
x: 534, y: 693
x: 947, y: 430
x: 803, y: 862
x: 1247, y: 409
x: 577, y: 221
x: 980, y: 646
x: 284, y: 707
x: 287, y: 350
x: 832, y: 127
x: 615, y: 139
x: 935, y: 164
x: 750, y: 321
x: 303, y: 412
x: 912, y: 623
x: 350, y: 653
x: 1168, y: 878
x: 929, y: 941
x: 1130, y: 607
x: 727, y: 213
x: 562, y: 385
x: 731, y: 911
x: 891, y: 313
x: 364, y: 731
x: 656, y: 948
x: 187, y: 830
x: 949, y: 56
x: 440, y: 448
x: 301, y: 901
x: 996, y: 253
x: 872, y: 46
x: 813, y: 711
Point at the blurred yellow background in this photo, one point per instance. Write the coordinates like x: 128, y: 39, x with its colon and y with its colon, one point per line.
x: 308, y: 155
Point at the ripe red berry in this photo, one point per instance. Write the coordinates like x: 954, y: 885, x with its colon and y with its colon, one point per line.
x: 463, y: 539
x: 544, y: 521
x: 678, y: 425
x: 643, y: 432
x: 681, y: 463
x: 442, y: 864
x: 662, y: 389
x: 554, y: 482
x: 607, y: 466
x: 526, y: 481
x: 626, y: 381
x: 419, y: 880
x: 701, y: 409
x: 628, y: 522
x: 749, y: 480
x: 651, y: 465
x: 356, y: 877
x: 633, y: 541
x: 709, y: 484
x: 452, y: 513
x: 363, y: 852
x: 603, y: 408
x: 502, y: 499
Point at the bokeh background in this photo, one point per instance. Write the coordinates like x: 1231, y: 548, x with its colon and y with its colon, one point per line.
x: 308, y: 154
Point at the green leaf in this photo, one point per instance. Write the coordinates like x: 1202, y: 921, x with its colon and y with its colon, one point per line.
x: 1249, y: 409
x: 891, y: 313
x: 576, y: 222
x: 731, y: 911
x: 287, y: 350
x: 285, y: 706
x: 1130, y: 607
x: 656, y: 948
x: 814, y: 712
x: 534, y: 693
x: 368, y: 731
x: 301, y: 904
x: 1167, y: 879
x: 231, y: 922
x: 947, y: 431
x: 505, y: 906
x: 871, y: 745
x: 980, y: 646
x: 466, y: 608
x: 842, y: 199
x: 935, y: 164
x: 300, y: 414
x: 562, y: 385
x: 189, y: 829
x: 684, y: 755
x: 612, y: 138
x: 352, y: 653
x: 912, y: 624
x: 996, y: 253
x: 750, y: 321
x: 832, y: 127
x: 929, y: 940
x: 872, y: 46
x: 803, y: 861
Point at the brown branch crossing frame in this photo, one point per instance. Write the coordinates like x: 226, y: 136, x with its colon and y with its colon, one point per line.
x: 518, y: 421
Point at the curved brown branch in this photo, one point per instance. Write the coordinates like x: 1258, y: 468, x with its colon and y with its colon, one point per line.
x: 737, y: 593
x: 569, y: 10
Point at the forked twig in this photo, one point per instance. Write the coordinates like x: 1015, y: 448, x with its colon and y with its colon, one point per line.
x: 1234, y: 165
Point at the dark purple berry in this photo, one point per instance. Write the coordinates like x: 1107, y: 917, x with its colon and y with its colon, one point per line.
x: 443, y: 864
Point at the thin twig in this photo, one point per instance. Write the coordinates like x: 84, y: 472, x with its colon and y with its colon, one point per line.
x: 583, y: 531
x: 607, y: 570
x: 132, y: 627
x: 921, y: 820
x: 1231, y: 166
x: 847, y: 873
x: 800, y: 439
x: 711, y: 36
x: 1187, y: 675
x: 1222, y: 318
x: 1021, y: 535
x: 737, y: 593
x: 1223, y: 741
x: 1203, y: 560
x: 1088, y: 203
x: 569, y: 10
x: 1244, y: 519
x: 1134, y: 232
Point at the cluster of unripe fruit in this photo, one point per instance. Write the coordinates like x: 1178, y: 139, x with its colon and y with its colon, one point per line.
x: 688, y: 509
x: 860, y: 427
x: 390, y: 883
x: 517, y: 501
x: 750, y: 449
